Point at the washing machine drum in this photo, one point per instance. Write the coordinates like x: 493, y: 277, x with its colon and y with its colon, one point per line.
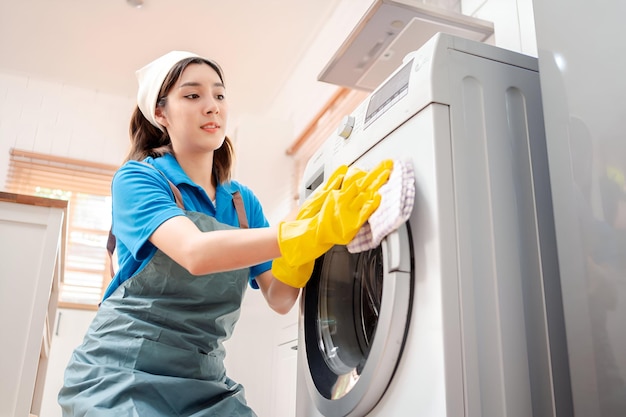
x: 356, y: 314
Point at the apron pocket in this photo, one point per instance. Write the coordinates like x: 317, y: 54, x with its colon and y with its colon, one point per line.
x: 161, y: 359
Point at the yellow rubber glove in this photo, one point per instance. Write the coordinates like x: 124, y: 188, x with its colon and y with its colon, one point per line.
x: 313, y: 203
x: 295, y: 276
x: 365, y: 179
x: 298, y: 275
x: 341, y: 215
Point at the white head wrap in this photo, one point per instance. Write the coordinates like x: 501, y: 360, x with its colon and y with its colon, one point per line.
x: 151, y: 79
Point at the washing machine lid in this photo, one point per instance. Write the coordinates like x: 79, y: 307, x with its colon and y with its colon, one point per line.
x: 355, y: 317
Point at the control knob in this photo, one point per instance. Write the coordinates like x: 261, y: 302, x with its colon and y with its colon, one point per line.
x: 345, y: 127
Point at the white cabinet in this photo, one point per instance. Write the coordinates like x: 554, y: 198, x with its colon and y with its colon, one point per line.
x: 284, y: 373
x: 31, y: 253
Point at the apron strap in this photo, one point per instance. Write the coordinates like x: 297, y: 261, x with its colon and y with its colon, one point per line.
x: 111, y: 240
x: 240, y: 209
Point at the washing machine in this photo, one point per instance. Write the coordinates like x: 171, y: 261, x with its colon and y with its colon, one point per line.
x: 447, y: 316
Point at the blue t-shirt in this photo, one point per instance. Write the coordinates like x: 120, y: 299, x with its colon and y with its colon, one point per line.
x: 143, y: 200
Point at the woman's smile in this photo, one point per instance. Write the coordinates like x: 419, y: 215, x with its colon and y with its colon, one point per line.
x: 211, y: 127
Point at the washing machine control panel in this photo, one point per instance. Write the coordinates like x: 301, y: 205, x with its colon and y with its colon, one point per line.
x: 388, y: 94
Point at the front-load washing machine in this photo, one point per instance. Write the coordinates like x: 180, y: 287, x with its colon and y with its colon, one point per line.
x: 447, y: 316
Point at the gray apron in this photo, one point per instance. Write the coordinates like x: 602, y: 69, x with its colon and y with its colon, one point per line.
x: 155, y: 345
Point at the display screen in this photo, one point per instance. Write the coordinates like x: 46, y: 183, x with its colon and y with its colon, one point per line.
x: 388, y: 94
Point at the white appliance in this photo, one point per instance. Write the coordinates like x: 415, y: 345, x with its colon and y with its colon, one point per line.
x: 447, y: 316
x: 389, y: 30
x: 583, y: 89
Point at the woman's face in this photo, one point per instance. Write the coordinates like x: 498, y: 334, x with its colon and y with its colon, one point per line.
x: 195, y: 112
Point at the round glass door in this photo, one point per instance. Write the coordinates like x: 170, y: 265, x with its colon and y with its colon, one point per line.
x: 349, y: 294
x: 352, y: 304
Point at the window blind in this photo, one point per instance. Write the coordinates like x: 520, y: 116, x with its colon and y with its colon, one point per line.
x: 87, y: 188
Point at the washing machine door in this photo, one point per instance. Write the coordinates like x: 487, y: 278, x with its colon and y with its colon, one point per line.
x: 355, y: 319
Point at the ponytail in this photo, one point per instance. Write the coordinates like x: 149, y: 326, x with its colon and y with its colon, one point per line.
x: 146, y: 140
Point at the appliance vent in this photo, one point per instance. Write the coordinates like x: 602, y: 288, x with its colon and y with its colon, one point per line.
x: 390, y: 30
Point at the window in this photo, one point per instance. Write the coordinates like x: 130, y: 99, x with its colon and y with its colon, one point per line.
x: 87, y: 188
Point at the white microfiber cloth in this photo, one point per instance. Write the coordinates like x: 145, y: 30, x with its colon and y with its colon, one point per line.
x: 396, y: 204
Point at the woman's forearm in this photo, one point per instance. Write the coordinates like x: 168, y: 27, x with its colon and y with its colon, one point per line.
x: 279, y: 296
x: 216, y: 251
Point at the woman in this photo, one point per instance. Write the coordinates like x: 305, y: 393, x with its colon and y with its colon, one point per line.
x: 189, y: 241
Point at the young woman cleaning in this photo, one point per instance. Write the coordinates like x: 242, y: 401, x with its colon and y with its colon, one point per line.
x: 189, y: 241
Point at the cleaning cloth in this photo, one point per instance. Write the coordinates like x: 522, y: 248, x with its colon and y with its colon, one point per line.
x: 396, y: 204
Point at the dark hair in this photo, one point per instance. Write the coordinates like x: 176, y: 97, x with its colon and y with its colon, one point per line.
x: 148, y: 140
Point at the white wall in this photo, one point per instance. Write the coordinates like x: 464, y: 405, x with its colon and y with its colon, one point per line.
x: 302, y: 95
x: 263, y: 165
x: 62, y: 120
x: 513, y: 22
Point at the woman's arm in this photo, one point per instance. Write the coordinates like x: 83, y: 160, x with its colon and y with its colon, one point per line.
x: 221, y: 250
x: 279, y: 296
x: 203, y: 253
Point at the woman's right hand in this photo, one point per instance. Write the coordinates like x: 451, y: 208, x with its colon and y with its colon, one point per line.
x: 339, y: 217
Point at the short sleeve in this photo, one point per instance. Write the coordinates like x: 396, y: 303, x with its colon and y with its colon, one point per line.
x: 142, y: 201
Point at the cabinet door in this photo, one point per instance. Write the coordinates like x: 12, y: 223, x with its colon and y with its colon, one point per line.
x: 29, y: 242
x: 284, y: 384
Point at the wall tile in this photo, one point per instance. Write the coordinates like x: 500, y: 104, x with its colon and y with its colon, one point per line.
x: 13, y: 99
x: 62, y: 120
x: 25, y: 138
